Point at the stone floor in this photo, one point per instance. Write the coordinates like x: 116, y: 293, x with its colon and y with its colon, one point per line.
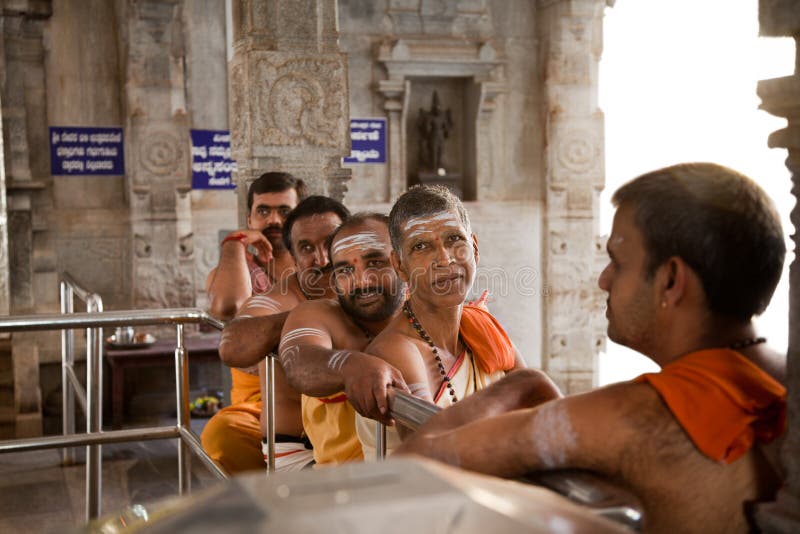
x: 37, y: 494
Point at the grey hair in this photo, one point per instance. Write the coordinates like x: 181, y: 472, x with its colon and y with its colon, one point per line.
x: 422, y: 201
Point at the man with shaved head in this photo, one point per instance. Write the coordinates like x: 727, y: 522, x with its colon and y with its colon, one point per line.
x: 696, y: 251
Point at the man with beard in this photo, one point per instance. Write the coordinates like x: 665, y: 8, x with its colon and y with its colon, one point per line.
x: 322, y: 340
x: 696, y: 251
x: 240, y: 274
x: 444, y: 348
x: 233, y: 436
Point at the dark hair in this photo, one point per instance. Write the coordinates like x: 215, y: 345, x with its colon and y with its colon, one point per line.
x: 313, y: 205
x: 355, y: 220
x: 421, y: 201
x: 720, y: 222
x: 275, y: 182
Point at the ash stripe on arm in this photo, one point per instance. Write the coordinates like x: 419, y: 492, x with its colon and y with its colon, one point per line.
x: 337, y: 360
x: 301, y: 332
x: 262, y: 303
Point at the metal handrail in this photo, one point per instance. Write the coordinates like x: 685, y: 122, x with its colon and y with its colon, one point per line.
x: 583, y: 487
x: 55, y: 321
x: 71, y: 387
x: 95, y: 436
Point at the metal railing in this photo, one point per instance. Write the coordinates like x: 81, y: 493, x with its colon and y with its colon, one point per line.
x: 94, y: 435
x: 71, y: 387
x: 582, y: 487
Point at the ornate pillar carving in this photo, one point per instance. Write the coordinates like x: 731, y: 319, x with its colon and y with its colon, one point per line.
x: 781, y: 97
x: 574, y: 331
x: 156, y: 147
x: 289, y: 107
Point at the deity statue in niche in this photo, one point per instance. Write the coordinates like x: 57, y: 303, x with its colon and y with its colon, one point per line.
x: 434, y: 127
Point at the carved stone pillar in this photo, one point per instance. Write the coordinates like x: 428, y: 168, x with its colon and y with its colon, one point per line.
x: 781, y: 97
x: 22, y: 230
x: 156, y: 148
x: 289, y: 108
x: 5, y: 296
x: 571, y: 44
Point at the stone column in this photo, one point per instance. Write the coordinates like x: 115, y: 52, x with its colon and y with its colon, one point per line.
x: 24, y: 231
x: 289, y: 108
x: 5, y: 298
x: 781, y: 97
x: 157, y: 161
x: 571, y: 44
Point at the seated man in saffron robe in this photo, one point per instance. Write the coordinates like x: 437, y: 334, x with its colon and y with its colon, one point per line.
x: 696, y: 250
x: 446, y: 350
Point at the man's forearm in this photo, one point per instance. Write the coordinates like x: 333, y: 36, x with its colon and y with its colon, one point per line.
x: 315, y: 371
x: 230, y: 285
x: 247, y: 340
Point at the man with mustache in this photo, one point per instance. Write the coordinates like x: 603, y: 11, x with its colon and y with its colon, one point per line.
x: 445, y: 350
x: 696, y: 251
x: 322, y: 342
x: 240, y: 274
x: 233, y: 436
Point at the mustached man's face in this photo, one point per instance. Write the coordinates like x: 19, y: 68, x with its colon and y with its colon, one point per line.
x: 269, y: 212
x: 310, y: 250
x: 438, y: 258
x: 366, y: 284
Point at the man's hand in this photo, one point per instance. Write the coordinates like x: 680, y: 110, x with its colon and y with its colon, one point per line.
x: 367, y: 380
x: 255, y: 239
x: 482, y: 301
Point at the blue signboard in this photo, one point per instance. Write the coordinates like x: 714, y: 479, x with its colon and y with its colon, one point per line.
x: 212, y: 166
x: 95, y: 151
x: 368, y: 141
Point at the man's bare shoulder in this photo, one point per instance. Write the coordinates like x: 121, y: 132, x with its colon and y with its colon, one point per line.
x: 323, y: 310
x: 394, y: 343
x: 623, y: 427
x: 277, y: 300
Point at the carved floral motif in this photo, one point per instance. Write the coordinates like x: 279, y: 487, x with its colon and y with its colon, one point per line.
x: 305, y: 101
x: 160, y: 153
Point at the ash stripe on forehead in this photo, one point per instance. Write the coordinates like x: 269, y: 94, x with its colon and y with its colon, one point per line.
x: 361, y: 240
x: 444, y: 216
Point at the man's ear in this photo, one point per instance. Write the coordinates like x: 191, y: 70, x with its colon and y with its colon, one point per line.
x: 398, y: 265
x: 475, y: 248
x: 672, y: 280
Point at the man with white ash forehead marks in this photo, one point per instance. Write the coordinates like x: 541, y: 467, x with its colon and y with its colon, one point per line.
x: 696, y: 251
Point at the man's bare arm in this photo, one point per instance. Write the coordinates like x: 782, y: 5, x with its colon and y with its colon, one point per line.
x: 315, y: 368
x: 228, y: 285
x: 588, y: 431
x: 246, y: 341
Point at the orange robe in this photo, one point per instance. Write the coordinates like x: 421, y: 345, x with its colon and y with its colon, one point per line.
x: 722, y: 400
x: 330, y: 425
x: 233, y: 436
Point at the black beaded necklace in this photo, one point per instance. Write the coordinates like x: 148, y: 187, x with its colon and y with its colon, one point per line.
x: 426, y: 338
x: 744, y: 343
